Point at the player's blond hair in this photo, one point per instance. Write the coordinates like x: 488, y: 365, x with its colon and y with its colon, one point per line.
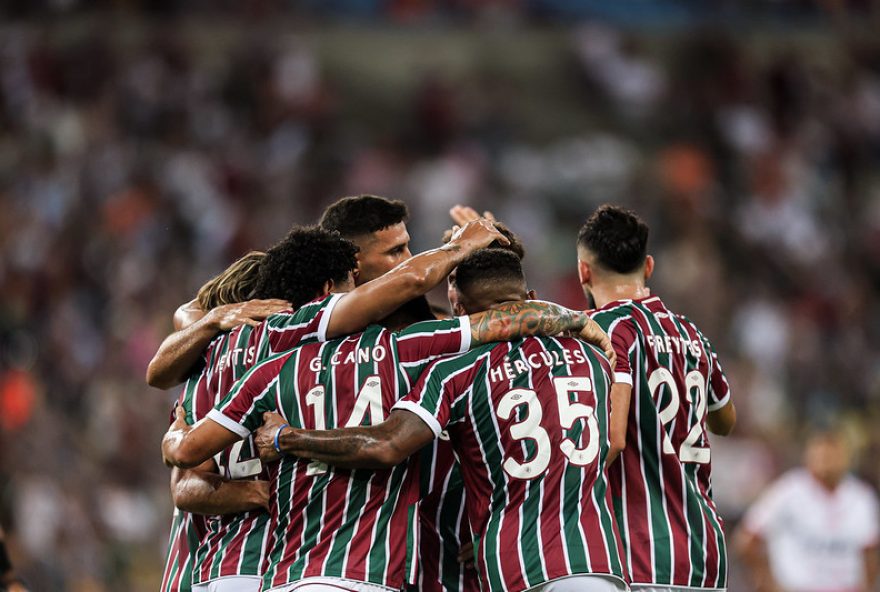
x: 235, y: 284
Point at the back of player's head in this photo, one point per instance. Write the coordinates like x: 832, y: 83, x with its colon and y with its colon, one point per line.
x: 356, y: 216
x: 298, y: 268
x: 489, y: 276
x: 617, y: 237
x: 235, y: 284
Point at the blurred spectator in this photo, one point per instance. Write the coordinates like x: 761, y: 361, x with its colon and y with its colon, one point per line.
x: 816, y: 528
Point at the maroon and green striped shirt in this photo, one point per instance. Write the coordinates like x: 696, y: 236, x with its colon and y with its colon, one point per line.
x: 330, y: 522
x: 235, y: 544
x: 662, y: 482
x: 442, y: 526
x: 529, y: 423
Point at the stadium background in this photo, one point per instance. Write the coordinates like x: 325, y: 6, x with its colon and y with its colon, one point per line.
x: 144, y: 145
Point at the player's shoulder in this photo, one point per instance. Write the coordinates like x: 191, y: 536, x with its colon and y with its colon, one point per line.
x: 307, y: 311
x: 859, y: 489
x: 612, y: 313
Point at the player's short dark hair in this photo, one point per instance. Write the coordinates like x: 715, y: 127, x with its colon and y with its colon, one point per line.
x: 363, y: 214
x: 618, y: 238
x: 488, y: 266
x: 297, y: 268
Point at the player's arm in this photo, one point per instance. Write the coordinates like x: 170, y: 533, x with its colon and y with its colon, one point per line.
x: 371, y: 447
x: 182, y: 349
x: 721, y: 418
x: 378, y: 298
x: 527, y: 318
x: 188, y: 446
x: 9, y: 581
x: 722, y: 421
x: 751, y: 548
x: 621, y: 395
x: 872, y: 567
x: 202, y: 491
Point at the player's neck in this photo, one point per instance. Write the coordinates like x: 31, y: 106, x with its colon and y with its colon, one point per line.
x: 605, y: 293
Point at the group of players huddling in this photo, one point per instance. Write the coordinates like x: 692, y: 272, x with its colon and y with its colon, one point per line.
x: 334, y: 434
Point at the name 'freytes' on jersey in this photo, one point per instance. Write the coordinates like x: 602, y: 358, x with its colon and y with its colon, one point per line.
x: 510, y: 369
x: 673, y: 344
x: 362, y: 355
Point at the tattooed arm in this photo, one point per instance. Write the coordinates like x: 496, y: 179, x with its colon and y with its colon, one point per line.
x: 526, y: 318
x: 376, y: 299
x: 372, y: 447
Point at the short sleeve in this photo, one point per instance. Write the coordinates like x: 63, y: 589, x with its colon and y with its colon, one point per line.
x: 438, y: 390
x: 623, y: 337
x: 719, y: 388
x: 424, y: 342
x: 254, y: 394
x: 869, y: 534
x: 286, y: 330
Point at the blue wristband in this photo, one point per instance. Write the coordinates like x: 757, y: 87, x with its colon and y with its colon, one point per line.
x: 278, y: 435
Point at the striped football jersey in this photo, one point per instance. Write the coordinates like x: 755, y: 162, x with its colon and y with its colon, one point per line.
x: 186, y: 530
x: 328, y: 522
x: 662, y: 485
x: 529, y: 423
x: 235, y: 544
x: 442, y: 527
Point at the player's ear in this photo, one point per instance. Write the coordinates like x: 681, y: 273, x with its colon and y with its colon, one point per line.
x: 585, y: 274
x: 327, y: 287
x: 532, y: 295
x: 649, y: 267
x: 458, y: 309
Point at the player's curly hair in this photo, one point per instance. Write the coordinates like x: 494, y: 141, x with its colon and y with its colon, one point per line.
x: 618, y: 238
x: 486, y: 266
x: 297, y: 268
x: 356, y: 216
x: 235, y: 284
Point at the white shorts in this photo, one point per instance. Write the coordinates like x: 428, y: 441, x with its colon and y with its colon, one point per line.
x: 323, y: 584
x: 583, y: 583
x: 231, y: 584
x: 656, y: 588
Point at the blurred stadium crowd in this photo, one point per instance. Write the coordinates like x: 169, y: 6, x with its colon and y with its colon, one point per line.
x: 133, y: 167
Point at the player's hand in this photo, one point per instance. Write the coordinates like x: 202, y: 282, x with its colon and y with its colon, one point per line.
x: 466, y: 554
x: 593, y: 333
x: 179, y: 426
x: 261, y: 491
x: 461, y: 215
x: 264, y: 437
x: 14, y: 585
x: 477, y: 234
x: 252, y: 312
x: 180, y: 419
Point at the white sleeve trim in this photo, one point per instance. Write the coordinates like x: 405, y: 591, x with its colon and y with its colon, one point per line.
x: 465, y: 328
x: 229, y: 424
x: 423, y: 414
x: 325, y: 318
x: 719, y: 404
x: 624, y: 377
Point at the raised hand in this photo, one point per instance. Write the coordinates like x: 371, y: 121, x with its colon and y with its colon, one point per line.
x: 252, y: 312
x: 477, y: 234
x: 461, y: 215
